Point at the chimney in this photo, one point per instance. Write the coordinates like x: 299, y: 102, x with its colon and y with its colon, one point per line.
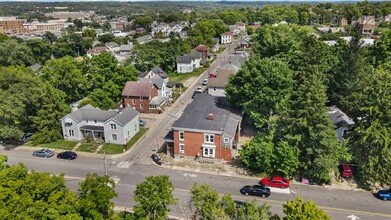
x: 210, y: 116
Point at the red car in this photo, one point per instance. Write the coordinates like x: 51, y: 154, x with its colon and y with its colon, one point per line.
x: 275, y: 181
x: 345, y: 170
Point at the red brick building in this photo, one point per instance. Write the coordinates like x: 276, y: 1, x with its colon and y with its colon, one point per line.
x: 139, y: 96
x: 203, y: 50
x: 367, y: 24
x: 206, y: 130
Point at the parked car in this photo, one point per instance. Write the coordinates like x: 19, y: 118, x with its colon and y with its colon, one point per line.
x: 199, y: 90
x: 26, y: 137
x: 275, y: 181
x: 69, y: 155
x: 141, y: 122
x: 255, y: 190
x: 43, y: 153
x: 194, y: 94
x: 345, y: 170
x: 179, y: 85
x: 384, y: 194
x: 156, y: 158
x: 205, y: 82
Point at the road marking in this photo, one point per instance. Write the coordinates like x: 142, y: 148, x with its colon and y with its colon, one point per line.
x: 190, y: 175
x: 281, y: 191
x: 353, y: 217
x: 116, y: 179
x: 124, y: 164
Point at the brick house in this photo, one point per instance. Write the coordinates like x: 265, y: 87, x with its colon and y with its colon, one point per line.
x: 203, y: 50
x: 140, y: 95
x: 344, y: 22
x: 207, y: 130
x: 366, y: 24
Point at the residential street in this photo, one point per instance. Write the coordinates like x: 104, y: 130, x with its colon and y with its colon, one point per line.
x: 134, y: 166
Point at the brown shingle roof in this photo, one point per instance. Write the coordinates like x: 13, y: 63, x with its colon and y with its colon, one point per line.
x: 142, y: 89
x: 201, y: 48
x: 228, y: 33
x: 96, y: 50
x: 222, y: 78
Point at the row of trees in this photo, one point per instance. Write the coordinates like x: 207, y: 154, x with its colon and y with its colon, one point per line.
x: 285, y: 90
x: 40, y: 195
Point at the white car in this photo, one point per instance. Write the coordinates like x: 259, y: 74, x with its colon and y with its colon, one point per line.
x: 199, y: 89
x: 205, y: 82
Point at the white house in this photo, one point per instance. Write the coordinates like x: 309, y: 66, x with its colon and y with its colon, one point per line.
x: 226, y: 38
x: 185, y: 64
x: 216, y: 85
x: 109, y: 126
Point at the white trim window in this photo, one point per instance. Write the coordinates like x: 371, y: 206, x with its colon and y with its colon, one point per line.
x: 133, y: 101
x: 114, y: 137
x: 181, y: 148
x: 208, y: 152
x: 71, y: 133
x: 141, y: 106
x: 181, y: 135
x: 209, y: 138
x: 226, y: 140
x: 113, y: 126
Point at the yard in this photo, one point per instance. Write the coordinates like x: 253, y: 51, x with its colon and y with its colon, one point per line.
x: 180, y: 77
x: 88, y: 147
x: 60, y: 144
x: 117, y: 148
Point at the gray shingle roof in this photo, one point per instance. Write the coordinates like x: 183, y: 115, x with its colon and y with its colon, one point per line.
x: 142, y: 89
x: 157, y: 81
x: 195, y: 116
x: 221, y: 79
x: 125, y: 116
x: 112, y: 44
x: 338, y: 117
x: 159, y: 71
x: 126, y: 47
x: 195, y: 54
x: 158, y: 100
x: 184, y: 59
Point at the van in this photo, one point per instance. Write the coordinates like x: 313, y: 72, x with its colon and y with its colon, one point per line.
x: 345, y: 170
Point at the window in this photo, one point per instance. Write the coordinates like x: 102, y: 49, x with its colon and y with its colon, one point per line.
x: 209, y: 152
x: 114, y: 137
x: 68, y: 124
x: 113, y: 126
x: 209, y: 138
x: 214, y: 88
x: 135, y: 127
x: 128, y: 133
x: 133, y: 101
x: 141, y: 106
x: 153, y: 106
x: 141, y: 98
x: 181, y: 135
x: 226, y: 140
x: 95, y: 121
x: 181, y: 148
x: 71, y: 133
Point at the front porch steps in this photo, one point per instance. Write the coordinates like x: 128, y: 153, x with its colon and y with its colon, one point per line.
x: 76, y: 146
x: 98, y: 149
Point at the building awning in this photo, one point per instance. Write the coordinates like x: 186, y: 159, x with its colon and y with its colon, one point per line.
x: 169, y: 138
x: 92, y: 128
x: 208, y: 146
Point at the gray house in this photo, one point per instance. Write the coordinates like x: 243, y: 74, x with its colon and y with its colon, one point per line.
x: 185, y: 64
x: 342, y: 122
x: 109, y: 126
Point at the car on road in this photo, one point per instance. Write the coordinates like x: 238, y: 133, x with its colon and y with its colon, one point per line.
x: 43, y: 153
x: 345, y: 170
x: 205, y: 82
x: 199, y: 89
x: 141, y: 122
x: 275, y: 181
x: 69, y: 155
x: 384, y: 194
x: 255, y: 190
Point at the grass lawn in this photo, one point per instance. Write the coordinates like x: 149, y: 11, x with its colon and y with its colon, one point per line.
x: 60, y: 144
x: 88, y: 147
x: 112, y: 149
x: 179, y: 77
x: 136, y: 137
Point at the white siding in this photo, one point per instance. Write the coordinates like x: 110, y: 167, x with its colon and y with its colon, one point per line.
x: 65, y: 129
x: 131, y: 129
x: 184, y: 68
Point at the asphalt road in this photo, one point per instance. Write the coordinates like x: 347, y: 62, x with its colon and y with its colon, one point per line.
x: 134, y: 167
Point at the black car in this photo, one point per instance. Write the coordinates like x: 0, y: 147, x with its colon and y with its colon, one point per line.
x: 69, y: 155
x: 156, y: 158
x: 179, y: 85
x: 255, y: 190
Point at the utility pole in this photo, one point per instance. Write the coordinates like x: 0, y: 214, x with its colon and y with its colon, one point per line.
x: 180, y: 96
x: 105, y: 165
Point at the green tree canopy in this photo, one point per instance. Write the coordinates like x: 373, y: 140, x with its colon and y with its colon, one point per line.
x: 303, y: 210
x: 14, y: 53
x: 41, y: 50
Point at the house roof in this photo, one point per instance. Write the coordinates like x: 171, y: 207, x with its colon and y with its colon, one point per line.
x: 158, y: 100
x: 157, y: 81
x: 159, y: 71
x: 126, y: 47
x: 228, y: 34
x: 221, y: 79
x: 96, y: 50
x: 112, y: 44
x: 170, y: 84
x: 201, y: 48
x: 35, y: 67
x: 142, y: 89
x: 195, y: 116
x: 184, y: 59
x: 338, y: 117
x: 195, y: 54
x: 89, y: 112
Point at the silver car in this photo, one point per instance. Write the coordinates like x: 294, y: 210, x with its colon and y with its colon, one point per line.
x: 43, y: 153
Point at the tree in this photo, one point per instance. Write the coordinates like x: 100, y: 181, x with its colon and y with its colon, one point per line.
x: 71, y: 45
x: 380, y: 51
x: 205, y: 200
x: 41, y: 50
x: 12, y: 53
x: 90, y: 33
x: 305, y: 211
x: 154, y: 196
x: 370, y: 138
x: 65, y: 74
x: 252, y: 211
x: 95, y: 193
x: 260, y: 88
x: 49, y: 37
x: 47, y: 121
x: 106, y: 38
x: 34, y: 195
